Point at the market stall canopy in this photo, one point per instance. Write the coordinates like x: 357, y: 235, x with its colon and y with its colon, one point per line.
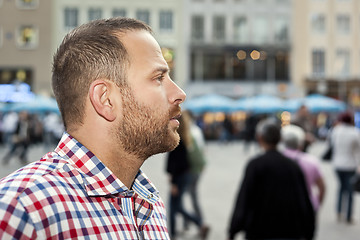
x: 209, y: 103
x: 39, y: 104
x: 315, y: 103
x: 259, y: 104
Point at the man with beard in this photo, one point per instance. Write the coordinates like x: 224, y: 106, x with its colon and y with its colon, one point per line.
x: 119, y: 107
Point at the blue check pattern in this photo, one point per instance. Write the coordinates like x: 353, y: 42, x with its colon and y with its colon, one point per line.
x: 71, y: 194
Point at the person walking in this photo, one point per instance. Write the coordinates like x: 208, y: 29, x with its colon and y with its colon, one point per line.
x: 197, y: 161
x: 302, y: 118
x: 179, y: 169
x: 293, y: 138
x: 273, y: 201
x: 20, y: 139
x: 119, y: 107
x: 8, y: 127
x: 345, y: 141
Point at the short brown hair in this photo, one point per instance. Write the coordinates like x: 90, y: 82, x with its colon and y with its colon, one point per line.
x: 89, y: 52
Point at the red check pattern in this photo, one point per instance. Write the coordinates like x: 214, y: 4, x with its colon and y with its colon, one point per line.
x: 71, y: 194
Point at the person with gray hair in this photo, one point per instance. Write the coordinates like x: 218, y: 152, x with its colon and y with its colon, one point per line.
x: 273, y: 201
x: 293, y: 138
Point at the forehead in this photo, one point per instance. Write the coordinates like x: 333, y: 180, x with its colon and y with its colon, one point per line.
x: 143, y: 49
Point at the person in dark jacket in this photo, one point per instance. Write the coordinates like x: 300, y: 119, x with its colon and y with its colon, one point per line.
x: 273, y: 200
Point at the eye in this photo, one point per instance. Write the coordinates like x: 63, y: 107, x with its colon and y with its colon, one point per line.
x: 160, y: 78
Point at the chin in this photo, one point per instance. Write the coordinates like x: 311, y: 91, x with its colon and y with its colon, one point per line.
x: 176, y: 143
x: 172, y: 141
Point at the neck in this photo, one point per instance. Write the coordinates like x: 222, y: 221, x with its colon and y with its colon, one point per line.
x: 123, y: 165
x: 268, y: 147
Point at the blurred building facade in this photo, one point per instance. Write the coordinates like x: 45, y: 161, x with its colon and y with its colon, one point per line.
x: 25, y: 43
x: 326, y: 47
x: 165, y: 17
x: 236, y: 48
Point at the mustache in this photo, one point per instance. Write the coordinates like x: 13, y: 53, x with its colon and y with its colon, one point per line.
x: 175, y: 112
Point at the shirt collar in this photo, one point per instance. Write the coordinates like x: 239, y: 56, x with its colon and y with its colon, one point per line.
x: 98, y: 179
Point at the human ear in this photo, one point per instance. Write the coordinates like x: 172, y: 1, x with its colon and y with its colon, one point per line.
x: 101, y: 99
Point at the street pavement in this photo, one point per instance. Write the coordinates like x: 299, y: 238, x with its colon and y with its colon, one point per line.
x: 219, y: 186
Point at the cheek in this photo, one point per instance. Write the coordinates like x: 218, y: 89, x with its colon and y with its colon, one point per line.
x: 152, y: 99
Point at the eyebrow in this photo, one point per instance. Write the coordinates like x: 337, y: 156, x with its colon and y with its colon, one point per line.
x: 162, y: 70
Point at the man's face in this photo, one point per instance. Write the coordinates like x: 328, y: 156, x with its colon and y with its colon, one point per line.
x: 151, y: 102
x: 145, y: 131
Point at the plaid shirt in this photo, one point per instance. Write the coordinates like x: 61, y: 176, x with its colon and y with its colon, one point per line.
x: 71, y: 194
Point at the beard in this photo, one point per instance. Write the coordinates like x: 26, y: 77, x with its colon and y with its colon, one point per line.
x: 145, y: 131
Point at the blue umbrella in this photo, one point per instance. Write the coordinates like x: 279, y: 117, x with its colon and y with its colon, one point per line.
x: 315, y: 103
x: 259, y: 104
x: 209, y: 103
x: 4, y: 107
x: 320, y: 103
x: 242, y: 104
x: 293, y: 104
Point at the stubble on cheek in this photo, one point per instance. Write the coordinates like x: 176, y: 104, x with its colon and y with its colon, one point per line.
x: 145, y: 131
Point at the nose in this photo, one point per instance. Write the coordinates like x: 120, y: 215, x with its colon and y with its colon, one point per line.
x: 176, y: 95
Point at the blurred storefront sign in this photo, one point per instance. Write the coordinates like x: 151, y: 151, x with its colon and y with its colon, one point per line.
x: 17, y: 92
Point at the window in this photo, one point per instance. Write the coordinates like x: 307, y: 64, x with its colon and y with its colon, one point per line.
x: 281, y: 65
x: 71, y: 18
x: 260, y: 72
x: 119, y: 13
x: 243, y: 65
x: 143, y: 15
x: 166, y: 21
x: 219, y: 28
x: 208, y: 65
x: 94, y: 13
x: 260, y: 30
x: 197, y: 28
x: 27, y: 4
x: 281, y: 29
x: 27, y: 37
x: 240, y: 30
x: 318, y: 62
x: 318, y: 23
x: 11, y: 75
x: 342, y: 63
x: 343, y: 24
x: 214, y: 66
x: 239, y: 65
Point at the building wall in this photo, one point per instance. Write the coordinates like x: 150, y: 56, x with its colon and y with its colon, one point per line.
x: 48, y: 18
x: 17, y: 54
x: 167, y: 39
x: 341, y: 74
